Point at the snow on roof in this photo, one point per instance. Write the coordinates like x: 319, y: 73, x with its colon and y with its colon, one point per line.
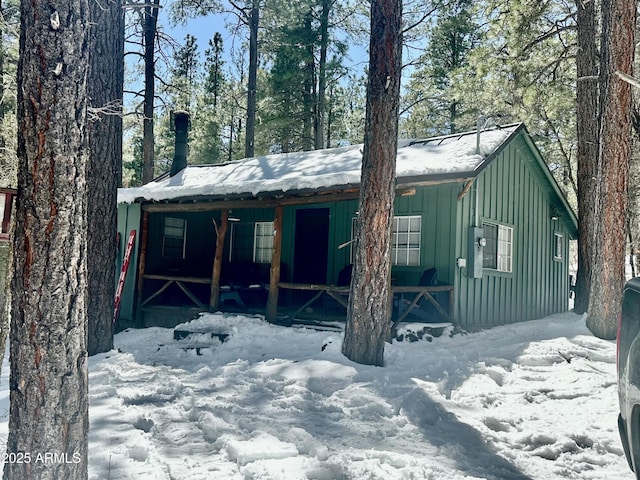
x: 319, y: 169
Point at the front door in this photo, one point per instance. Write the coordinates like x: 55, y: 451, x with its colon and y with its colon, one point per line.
x: 311, y: 251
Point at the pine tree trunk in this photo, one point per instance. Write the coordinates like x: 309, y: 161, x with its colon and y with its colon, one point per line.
x: 587, y: 133
x: 369, y: 310
x: 48, y: 385
x: 252, y: 81
x: 105, y: 83
x: 3, y: 107
x: 5, y: 271
x: 148, y: 148
x: 617, y: 50
x: 309, y: 97
x: 322, y: 77
x: 632, y: 250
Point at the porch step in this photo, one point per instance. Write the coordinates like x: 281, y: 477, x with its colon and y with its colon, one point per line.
x: 199, y: 341
x: 203, y: 337
x: 168, y: 316
x: 414, y: 332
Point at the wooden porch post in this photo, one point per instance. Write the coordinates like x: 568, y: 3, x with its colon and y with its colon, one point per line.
x: 144, y: 235
x: 221, y: 233
x: 274, y: 278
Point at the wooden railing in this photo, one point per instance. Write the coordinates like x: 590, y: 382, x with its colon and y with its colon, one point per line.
x: 339, y: 293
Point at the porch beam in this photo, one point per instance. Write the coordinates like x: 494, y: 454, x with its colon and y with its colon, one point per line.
x: 162, y: 289
x: 203, y: 205
x: 465, y: 190
x: 221, y: 232
x: 207, y: 206
x: 274, y: 273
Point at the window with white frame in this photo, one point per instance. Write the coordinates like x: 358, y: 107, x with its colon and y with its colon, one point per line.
x: 558, y: 243
x: 263, y: 242
x: 407, y: 234
x: 174, y: 236
x: 3, y: 197
x: 498, y: 250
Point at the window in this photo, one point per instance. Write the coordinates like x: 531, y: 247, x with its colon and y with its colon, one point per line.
x: 263, y: 242
x: 558, y: 242
x: 405, y: 249
x: 175, y: 233
x: 3, y: 197
x: 498, y: 251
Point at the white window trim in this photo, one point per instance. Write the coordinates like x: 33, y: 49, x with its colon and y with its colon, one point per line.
x: 407, y: 248
x: 258, y: 237
x: 558, y: 246
x: 504, y: 247
x: 183, y: 237
x: 3, y: 200
x: 394, y: 249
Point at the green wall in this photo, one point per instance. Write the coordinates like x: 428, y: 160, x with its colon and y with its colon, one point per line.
x: 128, y: 219
x: 436, y: 205
x: 511, y: 191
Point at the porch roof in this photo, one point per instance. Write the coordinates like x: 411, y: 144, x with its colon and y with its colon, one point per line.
x: 446, y: 158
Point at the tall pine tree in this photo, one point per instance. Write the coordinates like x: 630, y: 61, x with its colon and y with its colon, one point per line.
x: 435, y: 104
x: 49, y: 383
x: 369, y: 309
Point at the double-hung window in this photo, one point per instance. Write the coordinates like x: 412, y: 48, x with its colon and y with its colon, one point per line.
x: 406, y: 240
x: 174, y: 237
x: 498, y: 250
x: 558, y: 242
x: 407, y: 234
x: 263, y: 242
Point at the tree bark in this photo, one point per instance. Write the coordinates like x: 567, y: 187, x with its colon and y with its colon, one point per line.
x: 309, y: 97
x: 369, y: 310
x: 105, y: 84
x: 48, y: 384
x: 5, y: 254
x: 3, y: 107
x: 150, y: 28
x: 587, y: 135
x: 221, y: 233
x: 252, y: 83
x: 612, y: 171
x: 322, y: 77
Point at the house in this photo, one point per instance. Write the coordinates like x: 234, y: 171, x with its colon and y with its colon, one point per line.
x: 7, y: 196
x: 479, y: 210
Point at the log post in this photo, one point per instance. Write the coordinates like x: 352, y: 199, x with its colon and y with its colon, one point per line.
x: 274, y: 277
x: 144, y: 236
x: 221, y: 233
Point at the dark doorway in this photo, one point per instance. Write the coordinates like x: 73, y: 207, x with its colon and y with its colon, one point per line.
x: 311, y: 246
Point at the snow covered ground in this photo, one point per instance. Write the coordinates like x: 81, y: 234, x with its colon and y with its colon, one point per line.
x: 535, y: 400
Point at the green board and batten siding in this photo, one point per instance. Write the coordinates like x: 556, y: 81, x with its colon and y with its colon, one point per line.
x: 128, y: 219
x: 435, y: 204
x: 511, y: 191
x: 514, y: 189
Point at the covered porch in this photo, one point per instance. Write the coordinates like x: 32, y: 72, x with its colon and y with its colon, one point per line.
x: 278, y: 258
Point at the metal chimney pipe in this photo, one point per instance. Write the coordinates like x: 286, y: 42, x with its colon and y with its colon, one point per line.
x: 480, y: 124
x: 180, y: 125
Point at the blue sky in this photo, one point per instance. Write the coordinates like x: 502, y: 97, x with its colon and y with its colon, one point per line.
x: 203, y: 28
